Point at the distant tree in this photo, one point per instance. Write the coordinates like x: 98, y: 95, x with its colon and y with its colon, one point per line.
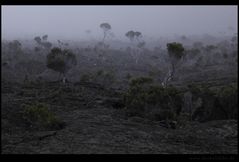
x: 101, y: 47
x: 234, y: 38
x: 198, y: 45
x: 37, y: 49
x: 62, y: 44
x: 43, y: 42
x: 61, y: 61
x: 141, y: 44
x: 137, y: 35
x: 210, y: 48
x: 38, y: 39
x: 175, y: 52
x: 234, y: 41
x: 106, y: 28
x: 15, y: 45
x: 15, y: 49
x: 131, y: 35
x: 137, y: 44
x: 46, y: 45
x: 45, y: 37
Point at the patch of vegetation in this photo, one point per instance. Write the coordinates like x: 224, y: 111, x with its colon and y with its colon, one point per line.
x: 61, y: 60
x: 227, y: 100
x: 217, y: 104
x: 175, y: 50
x: 38, y: 116
x: 146, y: 99
x: 128, y: 76
x: 105, y: 78
x: 85, y: 78
x: 99, y: 72
x: 140, y: 81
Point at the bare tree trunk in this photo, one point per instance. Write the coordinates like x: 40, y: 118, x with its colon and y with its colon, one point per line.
x: 169, y: 76
x: 104, y: 38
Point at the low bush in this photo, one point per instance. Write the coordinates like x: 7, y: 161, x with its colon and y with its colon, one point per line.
x: 128, y: 76
x: 144, y: 98
x: 227, y: 101
x: 38, y: 116
x: 217, y: 104
x: 105, y: 78
x: 85, y: 78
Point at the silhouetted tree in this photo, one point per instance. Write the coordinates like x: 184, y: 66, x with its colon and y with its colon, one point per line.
x: 175, y: 52
x: 38, y: 39
x: 131, y: 35
x: 234, y: 41
x: 15, y: 50
x: 61, y: 61
x: 137, y: 35
x: 15, y: 45
x: 141, y: 44
x: 62, y: 44
x: 105, y: 27
x: 43, y: 42
x: 45, y: 37
x: 134, y: 37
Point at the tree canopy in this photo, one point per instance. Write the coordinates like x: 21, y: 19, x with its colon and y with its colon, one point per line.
x: 175, y: 50
x: 61, y: 60
x: 133, y: 35
x: 105, y: 26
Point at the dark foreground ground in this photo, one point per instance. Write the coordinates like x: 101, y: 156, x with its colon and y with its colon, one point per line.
x: 96, y: 124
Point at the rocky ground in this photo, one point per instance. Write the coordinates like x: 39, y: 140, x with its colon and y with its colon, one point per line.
x: 95, y: 123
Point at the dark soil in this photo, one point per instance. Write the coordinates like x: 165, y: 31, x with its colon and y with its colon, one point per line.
x: 95, y: 123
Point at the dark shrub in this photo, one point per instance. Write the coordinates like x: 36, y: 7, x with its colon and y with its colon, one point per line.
x: 85, y: 78
x: 38, y: 116
x: 227, y: 101
x: 216, y: 104
x: 144, y: 98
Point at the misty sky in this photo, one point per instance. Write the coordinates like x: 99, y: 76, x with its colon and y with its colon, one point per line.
x: 71, y: 22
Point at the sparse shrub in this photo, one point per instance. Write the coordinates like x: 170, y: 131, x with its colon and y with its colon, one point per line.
x: 207, y: 96
x: 195, y: 90
x: 216, y: 104
x: 99, y: 72
x: 39, y: 116
x: 225, y: 55
x: 128, y: 76
x: 109, y: 77
x: 154, y: 72
x: 160, y: 114
x: 105, y: 78
x: 140, y: 81
x: 85, y: 78
x: 146, y: 99
x: 227, y: 101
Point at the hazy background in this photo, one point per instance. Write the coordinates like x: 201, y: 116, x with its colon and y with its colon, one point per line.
x: 71, y: 22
